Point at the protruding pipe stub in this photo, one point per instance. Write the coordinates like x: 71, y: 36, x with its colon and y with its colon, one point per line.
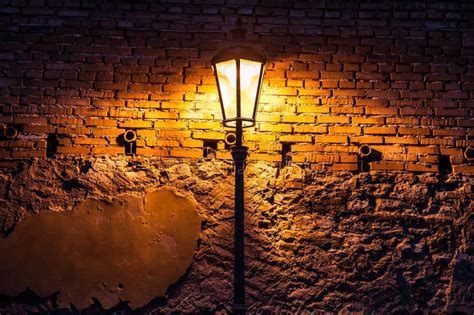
x: 469, y: 154
x: 130, y: 136
x: 365, y: 150
x: 10, y: 132
x: 230, y: 138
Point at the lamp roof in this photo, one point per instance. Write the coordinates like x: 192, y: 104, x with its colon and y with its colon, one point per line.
x: 239, y: 51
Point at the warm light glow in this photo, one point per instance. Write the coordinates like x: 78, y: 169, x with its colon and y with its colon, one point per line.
x: 249, y: 76
x: 226, y: 73
x: 249, y: 81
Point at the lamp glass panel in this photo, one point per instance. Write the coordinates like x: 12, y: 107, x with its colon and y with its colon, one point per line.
x: 227, y: 76
x: 249, y: 81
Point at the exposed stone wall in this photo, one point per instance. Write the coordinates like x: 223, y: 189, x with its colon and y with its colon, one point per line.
x: 315, y: 241
x: 326, y: 230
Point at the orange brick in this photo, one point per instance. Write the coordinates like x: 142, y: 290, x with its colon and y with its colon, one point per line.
x: 153, y: 152
x: 450, y: 132
x: 101, y: 122
x: 28, y: 153
x: 379, y: 130
x: 195, y: 115
x: 388, y: 148
x: 464, y: 169
x: 306, y: 148
x: 333, y: 120
x: 101, y: 132
x: 400, y: 157
x: 143, y: 104
x: 176, y: 105
x: 108, y: 150
x: 310, y: 129
x: 108, y: 103
x: 30, y: 120
x: 345, y: 129
x: 417, y: 167
x: 187, y: 153
x: 387, y: 166
x: 146, y: 133
x: 72, y: 150
x: 125, y: 113
x: 174, y: 134
x: 209, y: 135
x: 160, y: 115
x: 268, y: 117
x: 347, y: 110
x: 322, y: 158
x: 416, y: 111
x: 259, y: 137
x: 226, y: 155
x: 312, y: 109
x: 341, y: 148
x: 135, y: 124
x: 402, y: 121
x: 170, y: 124
x: 423, y: 150
x: 268, y: 146
x: 90, y: 141
x: 298, y: 158
x: 162, y: 142
x: 298, y: 119
x: 17, y: 144
x: 413, y: 131
x: 349, y: 158
x: 74, y: 130
x: 366, y: 139
x: 275, y: 127
x: 400, y: 140
x: 344, y: 167
x: 265, y: 157
x: 39, y: 129
x: 179, y: 88
x: 371, y: 102
x: 191, y: 143
x: 381, y: 111
x: 205, y: 125
x: 331, y: 139
x: 295, y: 138
x: 90, y: 112
x: 207, y: 89
x: 368, y: 120
x: 281, y: 91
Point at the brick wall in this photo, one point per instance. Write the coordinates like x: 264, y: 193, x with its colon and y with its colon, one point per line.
x: 398, y: 77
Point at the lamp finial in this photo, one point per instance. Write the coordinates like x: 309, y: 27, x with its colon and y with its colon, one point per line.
x: 238, y: 33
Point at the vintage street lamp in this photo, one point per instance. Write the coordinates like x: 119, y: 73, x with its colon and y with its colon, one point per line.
x: 239, y: 73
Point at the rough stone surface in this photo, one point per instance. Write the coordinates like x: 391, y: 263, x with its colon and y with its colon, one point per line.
x: 372, y: 242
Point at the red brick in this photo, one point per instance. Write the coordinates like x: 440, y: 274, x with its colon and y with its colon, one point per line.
x: 379, y: 130
x: 73, y: 150
x: 421, y: 167
x: 109, y: 150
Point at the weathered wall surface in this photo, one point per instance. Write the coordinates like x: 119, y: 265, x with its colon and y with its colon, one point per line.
x: 326, y: 230
x: 315, y: 242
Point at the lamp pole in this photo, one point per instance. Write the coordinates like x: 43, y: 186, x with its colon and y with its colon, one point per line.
x: 239, y: 154
x: 239, y: 75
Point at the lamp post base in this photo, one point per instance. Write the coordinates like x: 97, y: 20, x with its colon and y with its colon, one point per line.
x: 239, y: 309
